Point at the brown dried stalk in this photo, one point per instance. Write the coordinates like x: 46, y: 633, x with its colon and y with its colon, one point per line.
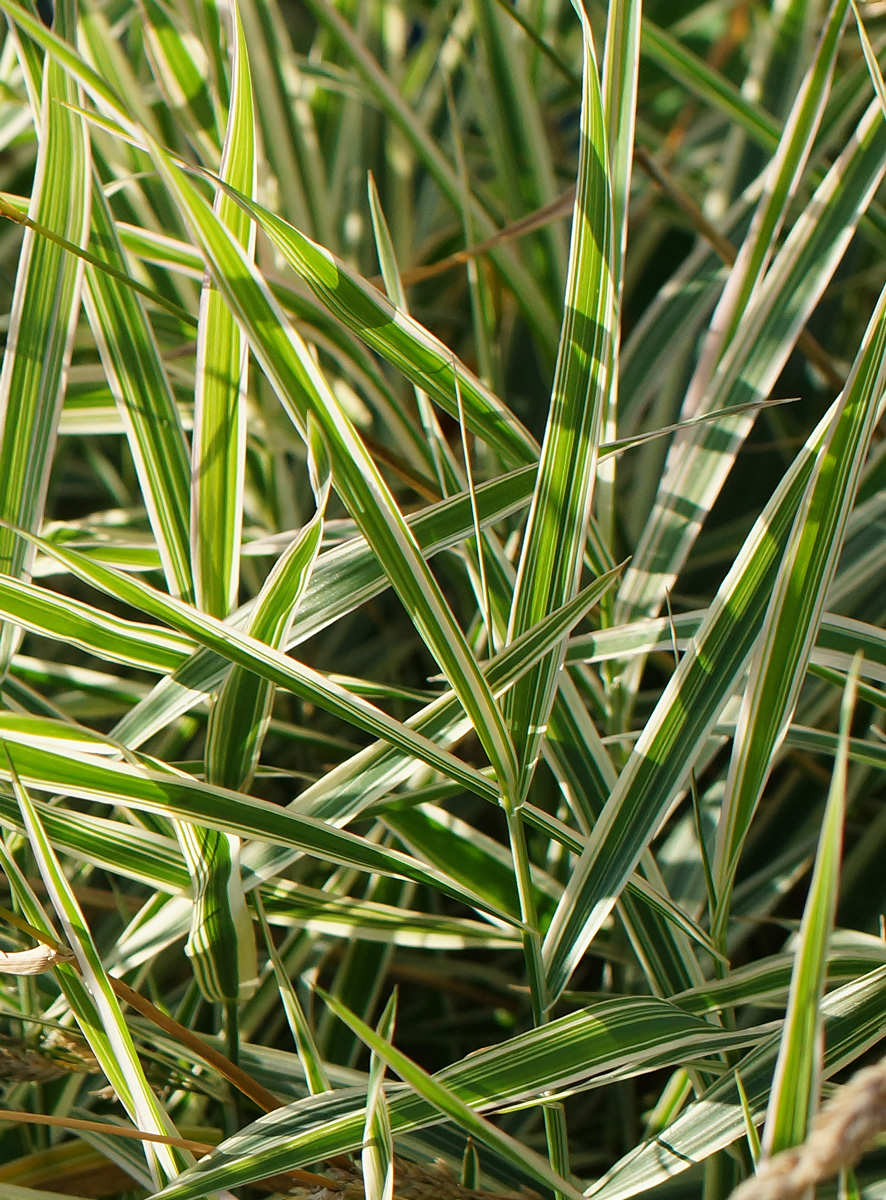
x: 840, y: 1134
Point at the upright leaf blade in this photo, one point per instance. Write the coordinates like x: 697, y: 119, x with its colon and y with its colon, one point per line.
x: 797, y: 1079
x: 219, y: 439
x: 221, y: 943
x: 141, y: 388
x: 555, y: 537
x: 377, y: 1159
x: 44, y: 313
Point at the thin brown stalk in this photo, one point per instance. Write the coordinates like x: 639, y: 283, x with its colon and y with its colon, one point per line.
x: 238, y: 1078
x: 141, y: 1135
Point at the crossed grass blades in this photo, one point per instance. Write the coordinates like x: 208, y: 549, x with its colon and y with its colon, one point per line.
x: 442, y: 689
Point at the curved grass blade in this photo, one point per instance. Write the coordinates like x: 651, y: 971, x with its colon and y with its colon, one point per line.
x: 60, y: 770
x: 838, y: 639
x: 122, y: 1065
x: 397, y: 337
x: 116, y: 846
x: 124, y: 849
x: 782, y: 655
x: 221, y: 942
x: 765, y: 982
x: 452, y: 1106
x: 434, y: 836
x: 113, y: 638
x: 370, y: 919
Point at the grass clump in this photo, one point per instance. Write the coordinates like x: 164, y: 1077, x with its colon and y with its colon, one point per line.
x: 442, y: 627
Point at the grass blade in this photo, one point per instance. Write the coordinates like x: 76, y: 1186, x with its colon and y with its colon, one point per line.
x: 796, y: 1084
x: 782, y: 656
x: 44, y: 313
x: 554, y: 542
x: 122, y: 1064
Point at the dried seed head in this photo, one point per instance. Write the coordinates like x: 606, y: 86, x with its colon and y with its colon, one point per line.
x: 57, y: 1055
x: 412, y: 1181
x: 841, y: 1132
x: 34, y: 961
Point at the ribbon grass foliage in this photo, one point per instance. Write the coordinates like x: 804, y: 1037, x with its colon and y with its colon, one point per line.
x: 442, y: 503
